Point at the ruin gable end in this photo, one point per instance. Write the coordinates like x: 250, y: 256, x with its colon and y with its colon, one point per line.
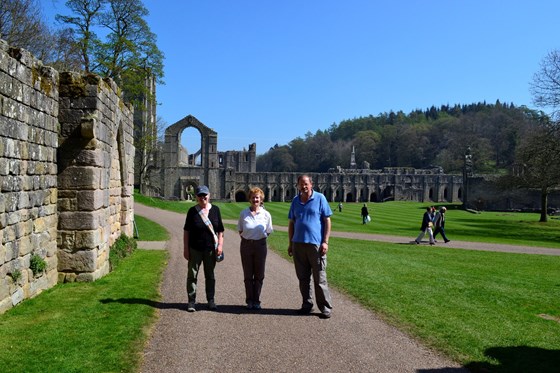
x: 66, y: 175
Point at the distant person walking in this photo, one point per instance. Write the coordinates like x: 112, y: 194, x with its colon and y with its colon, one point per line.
x: 426, y: 227
x: 365, y: 214
x: 439, y: 224
x: 340, y: 207
x: 308, y: 232
x: 203, y: 239
x: 254, y: 226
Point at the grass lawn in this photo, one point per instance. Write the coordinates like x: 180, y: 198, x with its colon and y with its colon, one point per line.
x: 149, y: 230
x: 85, y: 327
x: 495, y: 312
x: 404, y: 218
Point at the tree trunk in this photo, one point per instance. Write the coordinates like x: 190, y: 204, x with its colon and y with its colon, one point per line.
x: 544, y: 205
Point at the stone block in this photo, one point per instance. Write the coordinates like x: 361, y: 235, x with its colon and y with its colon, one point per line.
x: 67, y: 204
x: 17, y: 296
x: 81, y: 261
x: 52, y: 278
x: 80, y: 178
x: 4, y: 288
x: 40, y: 225
x: 28, y: 225
x: 85, y: 277
x: 13, y: 218
x: 66, y: 240
x: 79, y: 220
x: 11, y: 202
x: 52, y: 247
x: 23, y: 200
x: 90, y: 200
x: 5, y: 304
x: 90, y: 158
x: 12, y: 250
x: 38, y: 285
x: 25, y: 246
x: 88, y: 239
x: 6, y: 84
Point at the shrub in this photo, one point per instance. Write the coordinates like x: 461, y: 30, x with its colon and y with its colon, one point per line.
x: 15, y: 275
x: 37, y: 264
x: 123, y: 247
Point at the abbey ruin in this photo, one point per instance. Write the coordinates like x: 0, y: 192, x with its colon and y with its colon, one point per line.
x: 66, y: 173
x: 231, y: 174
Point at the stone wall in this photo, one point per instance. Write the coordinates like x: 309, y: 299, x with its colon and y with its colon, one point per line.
x: 95, y: 181
x: 66, y: 174
x: 350, y: 187
x: 28, y: 174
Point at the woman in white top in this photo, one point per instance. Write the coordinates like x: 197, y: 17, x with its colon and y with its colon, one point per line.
x: 254, y: 226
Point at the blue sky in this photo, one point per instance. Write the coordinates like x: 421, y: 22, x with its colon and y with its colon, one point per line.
x: 270, y: 71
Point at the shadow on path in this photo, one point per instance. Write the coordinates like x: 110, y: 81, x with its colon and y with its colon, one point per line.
x: 234, y: 309
x: 518, y: 359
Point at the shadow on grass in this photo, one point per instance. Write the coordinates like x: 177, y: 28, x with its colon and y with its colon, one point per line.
x: 146, y: 302
x: 518, y: 359
x: 225, y: 308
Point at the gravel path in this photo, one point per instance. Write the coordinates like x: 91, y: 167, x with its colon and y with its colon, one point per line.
x: 274, y: 339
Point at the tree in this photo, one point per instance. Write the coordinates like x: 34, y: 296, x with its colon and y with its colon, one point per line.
x: 65, y: 56
x: 87, y: 13
x: 366, y: 143
x: 545, y: 87
x: 21, y: 26
x: 128, y: 54
x: 538, y: 158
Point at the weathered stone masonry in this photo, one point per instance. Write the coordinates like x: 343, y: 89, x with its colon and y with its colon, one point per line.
x: 66, y: 174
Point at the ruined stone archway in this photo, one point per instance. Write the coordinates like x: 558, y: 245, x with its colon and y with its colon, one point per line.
x: 208, y: 148
x: 178, y: 173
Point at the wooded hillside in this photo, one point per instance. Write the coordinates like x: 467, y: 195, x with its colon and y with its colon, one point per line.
x: 420, y: 139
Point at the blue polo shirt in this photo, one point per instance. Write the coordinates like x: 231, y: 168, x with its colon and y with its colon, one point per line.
x: 308, y: 218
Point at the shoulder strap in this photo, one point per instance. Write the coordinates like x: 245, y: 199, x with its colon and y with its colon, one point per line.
x: 207, y: 222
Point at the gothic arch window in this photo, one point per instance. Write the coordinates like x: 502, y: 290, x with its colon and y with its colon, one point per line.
x: 190, y: 147
x: 203, y: 141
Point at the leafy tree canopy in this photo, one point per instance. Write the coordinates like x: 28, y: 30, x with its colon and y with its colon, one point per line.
x: 420, y: 139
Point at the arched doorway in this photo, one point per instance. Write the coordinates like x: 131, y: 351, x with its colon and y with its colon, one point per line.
x: 240, y: 196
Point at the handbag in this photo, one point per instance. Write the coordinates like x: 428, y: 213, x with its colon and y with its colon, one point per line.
x: 207, y: 222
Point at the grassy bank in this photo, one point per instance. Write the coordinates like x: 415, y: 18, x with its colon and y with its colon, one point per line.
x: 86, y: 327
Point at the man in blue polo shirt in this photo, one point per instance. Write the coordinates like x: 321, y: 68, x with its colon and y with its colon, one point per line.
x: 308, y: 231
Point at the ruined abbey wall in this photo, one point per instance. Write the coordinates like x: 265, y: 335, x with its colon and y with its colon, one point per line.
x: 352, y: 185
x: 66, y: 175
